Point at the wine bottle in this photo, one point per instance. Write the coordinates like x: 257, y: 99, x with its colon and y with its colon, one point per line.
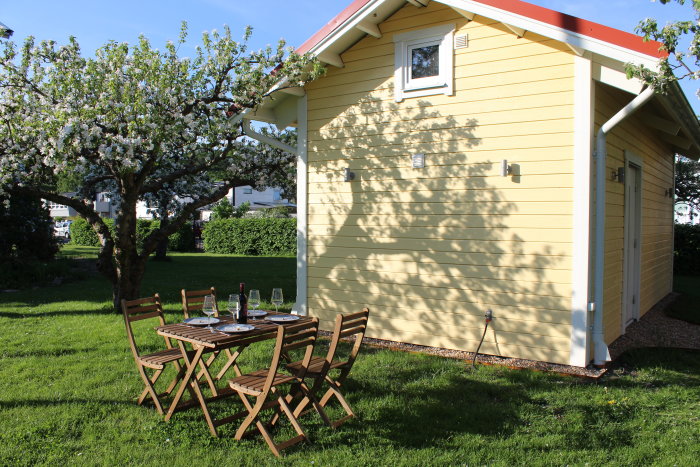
x: 243, y: 305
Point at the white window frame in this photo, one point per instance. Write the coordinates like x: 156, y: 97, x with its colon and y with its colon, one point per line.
x: 404, y: 43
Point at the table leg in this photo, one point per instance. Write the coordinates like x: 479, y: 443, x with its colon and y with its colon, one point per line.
x: 191, y: 379
x: 232, y: 357
x: 186, y: 380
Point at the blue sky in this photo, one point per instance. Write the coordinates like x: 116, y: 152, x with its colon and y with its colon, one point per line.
x: 94, y: 22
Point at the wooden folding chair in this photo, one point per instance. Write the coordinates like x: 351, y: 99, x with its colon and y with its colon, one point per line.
x: 151, y: 308
x: 319, y: 368
x: 263, y: 385
x: 192, y: 300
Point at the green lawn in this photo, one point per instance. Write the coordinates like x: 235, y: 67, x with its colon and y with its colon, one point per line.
x: 68, y: 384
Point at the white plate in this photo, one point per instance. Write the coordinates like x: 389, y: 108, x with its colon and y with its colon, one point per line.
x: 282, y: 318
x: 256, y: 313
x: 235, y: 327
x: 201, y: 321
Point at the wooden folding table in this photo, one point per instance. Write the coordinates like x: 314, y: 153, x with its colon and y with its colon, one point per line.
x: 203, y: 341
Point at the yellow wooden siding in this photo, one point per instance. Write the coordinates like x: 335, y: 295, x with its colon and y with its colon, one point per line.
x: 429, y: 250
x: 657, y: 213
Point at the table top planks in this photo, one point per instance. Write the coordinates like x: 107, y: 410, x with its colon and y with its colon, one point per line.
x: 202, y: 336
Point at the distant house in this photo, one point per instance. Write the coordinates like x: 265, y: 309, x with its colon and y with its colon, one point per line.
x: 686, y: 215
x: 258, y: 199
x: 60, y: 210
x: 447, y: 167
x: 102, y: 204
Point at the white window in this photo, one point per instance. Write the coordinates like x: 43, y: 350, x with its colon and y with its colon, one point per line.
x: 424, y: 62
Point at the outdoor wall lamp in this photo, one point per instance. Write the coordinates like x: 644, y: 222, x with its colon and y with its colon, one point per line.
x: 349, y: 175
x: 506, y: 169
x: 418, y: 161
x: 669, y: 192
x: 618, y: 175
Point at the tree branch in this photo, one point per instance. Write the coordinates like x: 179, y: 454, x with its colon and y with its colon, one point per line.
x: 151, y: 242
x: 104, y: 258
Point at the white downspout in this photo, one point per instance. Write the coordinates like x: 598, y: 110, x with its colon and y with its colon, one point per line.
x: 600, y: 348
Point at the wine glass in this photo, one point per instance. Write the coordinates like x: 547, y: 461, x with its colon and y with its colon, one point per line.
x: 233, y: 305
x: 254, y: 299
x: 209, y: 308
x: 277, y: 298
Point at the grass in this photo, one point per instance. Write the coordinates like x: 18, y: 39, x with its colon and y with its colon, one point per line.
x: 687, y: 306
x: 68, y: 384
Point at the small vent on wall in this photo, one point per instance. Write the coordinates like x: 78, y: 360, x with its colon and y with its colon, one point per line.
x: 461, y: 41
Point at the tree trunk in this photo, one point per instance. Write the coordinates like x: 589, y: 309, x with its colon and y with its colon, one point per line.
x: 162, y: 248
x: 129, y: 265
x: 128, y: 285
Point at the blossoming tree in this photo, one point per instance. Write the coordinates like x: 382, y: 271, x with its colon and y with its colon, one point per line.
x: 139, y: 123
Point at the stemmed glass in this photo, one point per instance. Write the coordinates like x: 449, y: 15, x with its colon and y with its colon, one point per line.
x: 233, y: 305
x: 277, y: 299
x: 254, y: 299
x: 209, y: 308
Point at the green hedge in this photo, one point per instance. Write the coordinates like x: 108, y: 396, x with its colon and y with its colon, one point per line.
x: 251, y: 236
x: 81, y: 233
x: 686, y: 255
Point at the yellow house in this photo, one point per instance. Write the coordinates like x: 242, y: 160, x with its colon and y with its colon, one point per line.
x: 447, y: 166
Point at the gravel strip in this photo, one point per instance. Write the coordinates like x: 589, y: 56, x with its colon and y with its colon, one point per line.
x: 655, y: 329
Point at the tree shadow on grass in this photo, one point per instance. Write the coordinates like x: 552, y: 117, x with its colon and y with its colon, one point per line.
x: 457, y: 406
x: 22, y: 314
x: 52, y: 353
x: 167, y: 279
x: 59, y: 402
x: 423, y: 403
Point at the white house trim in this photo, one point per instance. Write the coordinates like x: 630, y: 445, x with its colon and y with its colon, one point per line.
x: 544, y: 29
x: 613, y: 74
x: 631, y: 159
x: 583, y: 147
x: 404, y: 87
x: 362, y: 15
x: 370, y: 28
x: 301, y: 305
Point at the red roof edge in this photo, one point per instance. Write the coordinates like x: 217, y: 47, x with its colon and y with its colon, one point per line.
x: 332, y: 25
x: 555, y: 18
x: 577, y: 25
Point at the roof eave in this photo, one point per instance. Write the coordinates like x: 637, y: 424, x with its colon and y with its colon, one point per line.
x: 677, y: 102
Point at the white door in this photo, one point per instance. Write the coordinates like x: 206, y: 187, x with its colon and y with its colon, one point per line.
x: 632, y: 256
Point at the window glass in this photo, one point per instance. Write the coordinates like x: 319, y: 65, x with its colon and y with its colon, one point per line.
x: 425, y: 61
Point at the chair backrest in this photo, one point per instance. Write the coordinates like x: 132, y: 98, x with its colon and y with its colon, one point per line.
x: 290, y: 338
x: 354, y: 324
x: 136, y: 310
x: 192, y: 300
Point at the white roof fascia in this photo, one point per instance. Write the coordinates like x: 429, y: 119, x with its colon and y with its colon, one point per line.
x: 564, y: 35
x: 351, y: 23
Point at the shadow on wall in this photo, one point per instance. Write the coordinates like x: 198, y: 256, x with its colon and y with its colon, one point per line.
x: 430, y: 249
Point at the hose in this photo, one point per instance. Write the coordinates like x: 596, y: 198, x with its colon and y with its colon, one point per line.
x: 488, y: 317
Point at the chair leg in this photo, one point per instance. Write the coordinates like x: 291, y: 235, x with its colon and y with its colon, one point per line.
x: 149, y: 387
x: 178, y: 377
x: 252, y: 415
x: 145, y: 391
x: 268, y: 438
x: 310, y: 398
x: 293, y: 420
x: 334, y: 390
